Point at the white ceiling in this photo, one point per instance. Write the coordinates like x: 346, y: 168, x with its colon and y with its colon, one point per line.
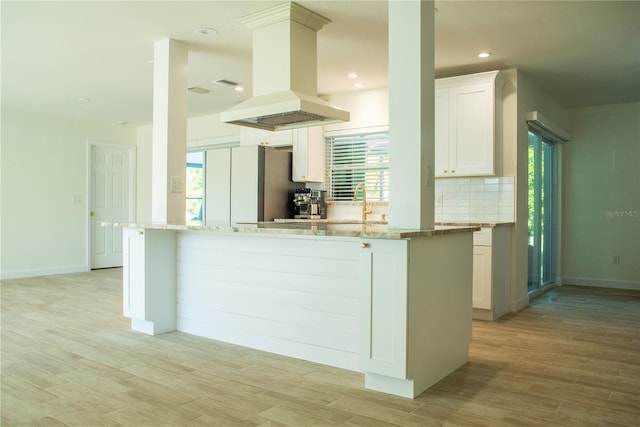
x: 53, y: 53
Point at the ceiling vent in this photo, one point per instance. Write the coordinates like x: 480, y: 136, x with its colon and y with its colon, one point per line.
x: 197, y: 89
x: 225, y: 82
x: 285, y: 76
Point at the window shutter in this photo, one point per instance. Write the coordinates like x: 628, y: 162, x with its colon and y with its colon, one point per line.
x: 355, y: 159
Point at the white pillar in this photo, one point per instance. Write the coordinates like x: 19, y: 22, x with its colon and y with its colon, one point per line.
x: 169, y: 132
x: 411, y: 110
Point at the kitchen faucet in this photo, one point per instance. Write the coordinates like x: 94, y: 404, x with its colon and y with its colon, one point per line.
x: 364, y: 199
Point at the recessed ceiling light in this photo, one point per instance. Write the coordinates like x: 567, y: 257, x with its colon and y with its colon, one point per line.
x: 484, y: 54
x: 238, y: 88
x: 206, y: 31
x: 358, y: 85
x: 352, y: 75
x: 83, y: 99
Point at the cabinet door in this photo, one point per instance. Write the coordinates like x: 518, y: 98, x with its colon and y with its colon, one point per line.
x: 251, y: 136
x: 482, y: 277
x: 245, y: 186
x: 218, y: 185
x: 308, y: 155
x: 134, y: 274
x: 441, y: 129
x: 281, y: 138
x: 471, y: 129
x: 383, y: 339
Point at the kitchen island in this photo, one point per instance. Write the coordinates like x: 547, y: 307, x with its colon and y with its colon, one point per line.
x: 393, y: 304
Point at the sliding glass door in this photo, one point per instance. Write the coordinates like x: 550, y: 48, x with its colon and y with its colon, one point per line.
x: 542, y: 212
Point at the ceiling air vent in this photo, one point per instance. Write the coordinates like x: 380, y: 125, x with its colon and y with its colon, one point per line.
x: 225, y: 82
x: 198, y: 89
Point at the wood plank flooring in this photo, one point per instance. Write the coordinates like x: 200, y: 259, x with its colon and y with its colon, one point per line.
x: 69, y: 359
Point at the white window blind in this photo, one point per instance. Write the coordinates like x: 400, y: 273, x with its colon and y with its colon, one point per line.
x: 354, y: 159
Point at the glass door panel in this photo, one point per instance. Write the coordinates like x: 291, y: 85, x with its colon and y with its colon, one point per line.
x: 541, y: 204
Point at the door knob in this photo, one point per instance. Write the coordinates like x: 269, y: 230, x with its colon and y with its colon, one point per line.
x: 92, y: 213
x: 364, y: 245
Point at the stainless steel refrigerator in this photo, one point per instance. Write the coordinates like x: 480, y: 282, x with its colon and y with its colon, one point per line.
x: 248, y: 184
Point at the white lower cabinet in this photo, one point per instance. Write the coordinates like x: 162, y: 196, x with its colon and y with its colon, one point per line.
x: 482, y: 277
x: 149, y: 293
x: 384, y: 308
x: 415, y: 318
x: 491, y: 274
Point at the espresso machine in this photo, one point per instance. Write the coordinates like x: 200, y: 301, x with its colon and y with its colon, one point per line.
x: 309, y: 204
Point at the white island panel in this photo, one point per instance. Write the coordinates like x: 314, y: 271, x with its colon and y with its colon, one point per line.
x: 297, y: 297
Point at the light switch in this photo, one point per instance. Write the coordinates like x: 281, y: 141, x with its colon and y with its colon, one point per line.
x: 76, y: 198
x: 176, y: 184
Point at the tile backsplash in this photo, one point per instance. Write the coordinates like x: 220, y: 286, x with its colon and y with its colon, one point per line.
x: 474, y: 199
x: 456, y: 200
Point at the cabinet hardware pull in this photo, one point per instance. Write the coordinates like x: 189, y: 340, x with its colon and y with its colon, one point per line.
x: 364, y: 245
x: 140, y: 233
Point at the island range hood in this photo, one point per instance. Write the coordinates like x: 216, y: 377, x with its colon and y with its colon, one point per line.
x: 285, y: 77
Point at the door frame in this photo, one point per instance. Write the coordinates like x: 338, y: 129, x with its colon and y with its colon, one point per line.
x: 131, y: 149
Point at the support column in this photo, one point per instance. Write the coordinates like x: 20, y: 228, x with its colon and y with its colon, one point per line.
x: 169, y: 132
x: 411, y: 114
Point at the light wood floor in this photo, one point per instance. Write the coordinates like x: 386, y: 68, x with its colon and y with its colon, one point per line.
x: 69, y: 358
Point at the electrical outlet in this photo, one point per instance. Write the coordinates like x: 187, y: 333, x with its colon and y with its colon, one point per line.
x: 615, y: 259
x: 439, y: 199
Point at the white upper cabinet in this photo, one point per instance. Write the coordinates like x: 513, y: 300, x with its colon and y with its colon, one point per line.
x: 468, y: 124
x: 308, y: 155
x: 281, y: 138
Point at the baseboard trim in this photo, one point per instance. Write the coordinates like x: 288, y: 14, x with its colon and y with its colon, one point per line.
x: 20, y: 274
x: 602, y: 283
x: 519, y: 304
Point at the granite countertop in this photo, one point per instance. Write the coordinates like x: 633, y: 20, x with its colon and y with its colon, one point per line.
x: 476, y: 224
x: 347, y: 228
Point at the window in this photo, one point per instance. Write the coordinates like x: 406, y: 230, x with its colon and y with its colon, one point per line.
x: 356, y: 159
x: 195, y: 187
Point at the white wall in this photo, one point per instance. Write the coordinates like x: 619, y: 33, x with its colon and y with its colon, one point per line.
x: 601, y: 196
x: 368, y: 108
x: 44, y: 164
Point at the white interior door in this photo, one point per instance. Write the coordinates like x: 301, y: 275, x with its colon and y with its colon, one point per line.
x: 110, y: 194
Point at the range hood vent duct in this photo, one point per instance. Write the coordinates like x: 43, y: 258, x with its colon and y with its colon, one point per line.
x: 285, y: 76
